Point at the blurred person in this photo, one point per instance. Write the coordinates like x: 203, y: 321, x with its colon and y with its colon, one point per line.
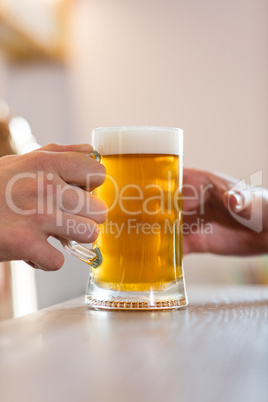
x: 238, y: 216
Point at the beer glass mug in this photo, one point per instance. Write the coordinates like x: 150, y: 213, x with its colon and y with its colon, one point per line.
x: 137, y: 259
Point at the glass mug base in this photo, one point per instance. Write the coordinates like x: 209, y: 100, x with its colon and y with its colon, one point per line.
x: 173, y: 297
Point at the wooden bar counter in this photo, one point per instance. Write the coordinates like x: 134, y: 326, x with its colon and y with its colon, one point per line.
x: 214, y: 350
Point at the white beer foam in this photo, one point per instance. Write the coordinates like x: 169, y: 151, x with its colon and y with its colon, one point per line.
x: 138, y: 140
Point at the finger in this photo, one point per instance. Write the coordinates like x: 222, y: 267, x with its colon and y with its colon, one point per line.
x: 218, y: 182
x: 74, y: 227
x: 44, y: 256
x: 75, y: 200
x: 194, y: 176
x: 196, y: 188
x: 202, y: 186
x: 222, y: 183
x: 67, y: 148
x: 78, y: 168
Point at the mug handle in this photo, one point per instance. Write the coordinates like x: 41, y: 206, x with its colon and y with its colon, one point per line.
x: 91, y: 256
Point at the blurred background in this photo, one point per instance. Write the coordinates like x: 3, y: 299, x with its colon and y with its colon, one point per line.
x: 67, y: 67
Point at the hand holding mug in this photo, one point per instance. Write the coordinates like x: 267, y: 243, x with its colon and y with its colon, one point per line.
x: 43, y: 194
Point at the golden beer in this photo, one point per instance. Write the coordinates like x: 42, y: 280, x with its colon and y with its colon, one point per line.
x: 141, y: 240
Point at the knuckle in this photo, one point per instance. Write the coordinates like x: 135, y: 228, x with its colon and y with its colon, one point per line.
x: 53, y: 145
x: 40, y: 160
